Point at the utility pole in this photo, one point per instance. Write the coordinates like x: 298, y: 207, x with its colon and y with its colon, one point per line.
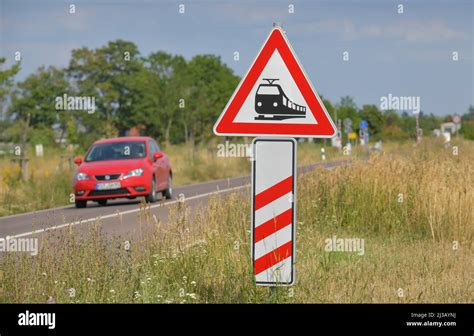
x: 418, y: 130
x: 339, y: 134
x: 22, y: 159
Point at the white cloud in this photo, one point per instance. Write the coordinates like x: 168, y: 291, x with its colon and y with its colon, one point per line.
x: 429, y: 31
x: 346, y: 28
x: 420, y: 31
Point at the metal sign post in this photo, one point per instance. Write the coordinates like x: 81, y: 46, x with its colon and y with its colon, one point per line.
x: 273, y: 211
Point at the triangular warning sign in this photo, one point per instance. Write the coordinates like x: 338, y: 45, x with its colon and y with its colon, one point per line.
x: 275, y: 98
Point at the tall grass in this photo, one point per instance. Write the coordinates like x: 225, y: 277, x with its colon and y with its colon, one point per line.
x: 48, y: 184
x: 416, y: 250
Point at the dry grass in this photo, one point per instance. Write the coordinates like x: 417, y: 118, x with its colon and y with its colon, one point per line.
x: 48, y: 185
x: 408, y: 245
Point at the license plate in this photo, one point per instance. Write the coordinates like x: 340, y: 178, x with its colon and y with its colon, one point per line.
x: 107, y: 186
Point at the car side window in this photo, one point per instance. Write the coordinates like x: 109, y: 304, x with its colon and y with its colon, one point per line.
x: 152, y: 149
x: 157, y: 147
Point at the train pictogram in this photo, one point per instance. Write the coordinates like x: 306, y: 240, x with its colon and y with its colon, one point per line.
x: 271, y: 103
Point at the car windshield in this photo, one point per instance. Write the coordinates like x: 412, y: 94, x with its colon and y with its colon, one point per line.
x: 268, y: 90
x: 117, y: 151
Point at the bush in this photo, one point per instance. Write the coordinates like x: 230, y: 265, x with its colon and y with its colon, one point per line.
x: 393, y: 132
x: 467, y: 130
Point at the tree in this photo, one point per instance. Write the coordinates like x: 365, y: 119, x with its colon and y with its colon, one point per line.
x: 467, y: 125
x: 469, y: 115
x: 170, y: 72
x: 346, y: 108
x: 6, y: 80
x: 329, y: 107
x: 392, y: 129
x: 408, y: 123
x: 429, y: 122
x: 114, y: 76
x: 210, y: 83
x: 392, y: 118
x: 374, y: 117
x: 36, y: 97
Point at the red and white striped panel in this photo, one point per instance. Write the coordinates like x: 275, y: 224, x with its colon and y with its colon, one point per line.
x: 273, y: 217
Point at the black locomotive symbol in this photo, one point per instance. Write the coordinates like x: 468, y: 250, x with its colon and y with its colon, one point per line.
x: 271, y: 103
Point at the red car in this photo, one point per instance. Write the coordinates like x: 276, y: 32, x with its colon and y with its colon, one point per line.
x: 125, y: 167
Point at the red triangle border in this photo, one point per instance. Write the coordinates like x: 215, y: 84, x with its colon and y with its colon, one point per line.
x: 226, y: 126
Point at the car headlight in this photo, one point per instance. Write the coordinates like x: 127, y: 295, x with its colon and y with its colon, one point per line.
x: 82, y: 177
x: 135, y: 172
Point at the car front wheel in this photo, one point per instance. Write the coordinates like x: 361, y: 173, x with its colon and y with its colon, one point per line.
x: 81, y: 204
x: 102, y: 202
x: 151, y: 197
x: 168, y: 192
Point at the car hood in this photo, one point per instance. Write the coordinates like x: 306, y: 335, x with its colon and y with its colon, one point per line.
x: 111, y: 167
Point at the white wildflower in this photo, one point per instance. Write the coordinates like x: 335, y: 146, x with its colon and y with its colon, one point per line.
x: 71, y: 292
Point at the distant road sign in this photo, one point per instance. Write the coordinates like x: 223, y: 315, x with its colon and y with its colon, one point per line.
x: 347, y: 123
x: 275, y: 98
x: 363, y: 124
x: 274, y: 211
x: 456, y: 119
x: 352, y: 136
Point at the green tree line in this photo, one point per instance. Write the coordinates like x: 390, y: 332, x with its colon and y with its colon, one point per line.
x: 165, y: 96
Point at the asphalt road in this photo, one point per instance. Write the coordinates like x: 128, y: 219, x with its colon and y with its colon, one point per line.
x: 125, y: 217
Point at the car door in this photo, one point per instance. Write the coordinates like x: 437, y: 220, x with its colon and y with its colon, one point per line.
x: 159, y: 167
x: 154, y: 164
x: 164, y: 167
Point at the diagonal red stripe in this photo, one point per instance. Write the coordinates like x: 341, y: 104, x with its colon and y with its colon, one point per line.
x: 273, y: 225
x: 273, y: 257
x: 274, y: 192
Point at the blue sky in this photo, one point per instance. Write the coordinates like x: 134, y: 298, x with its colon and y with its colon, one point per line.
x: 405, y: 54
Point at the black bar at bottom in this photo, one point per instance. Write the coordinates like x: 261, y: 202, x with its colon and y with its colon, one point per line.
x: 403, y: 319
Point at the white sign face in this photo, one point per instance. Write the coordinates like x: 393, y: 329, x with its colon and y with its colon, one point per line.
x: 274, y: 211
x: 283, y: 83
x: 39, y: 150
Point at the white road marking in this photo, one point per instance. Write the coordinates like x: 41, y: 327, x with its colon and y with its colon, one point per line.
x: 124, y: 212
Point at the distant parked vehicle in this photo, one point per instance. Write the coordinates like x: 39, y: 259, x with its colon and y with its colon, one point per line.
x: 125, y: 167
